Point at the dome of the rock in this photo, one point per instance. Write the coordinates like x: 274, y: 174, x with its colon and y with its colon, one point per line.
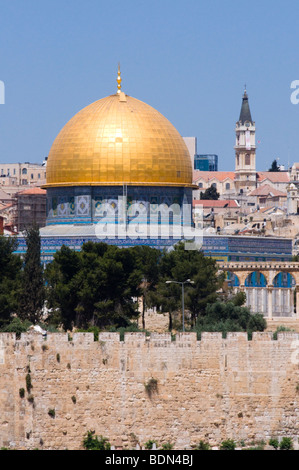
x: 117, y: 147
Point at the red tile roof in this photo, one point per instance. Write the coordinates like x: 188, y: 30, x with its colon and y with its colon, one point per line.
x: 267, y: 190
x: 209, y: 175
x: 219, y: 204
x: 31, y: 191
x: 274, y: 176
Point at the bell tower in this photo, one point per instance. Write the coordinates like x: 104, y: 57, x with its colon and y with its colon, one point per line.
x: 245, y: 148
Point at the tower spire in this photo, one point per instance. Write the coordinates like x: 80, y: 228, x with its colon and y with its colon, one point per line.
x: 245, y: 114
x: 119, y: 80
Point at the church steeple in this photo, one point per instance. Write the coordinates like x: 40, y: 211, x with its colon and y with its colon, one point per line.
x: 245, y: 114
x: 245, y: 148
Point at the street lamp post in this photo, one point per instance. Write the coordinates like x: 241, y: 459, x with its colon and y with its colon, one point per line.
x: 183, y: 296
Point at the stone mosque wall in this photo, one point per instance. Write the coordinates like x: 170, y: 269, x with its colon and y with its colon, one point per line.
x: 213, y: 389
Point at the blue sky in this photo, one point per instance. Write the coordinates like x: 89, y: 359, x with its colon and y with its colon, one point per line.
x: 189, y: 59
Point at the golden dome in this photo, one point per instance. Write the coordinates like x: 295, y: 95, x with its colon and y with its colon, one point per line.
x: 119, y: 140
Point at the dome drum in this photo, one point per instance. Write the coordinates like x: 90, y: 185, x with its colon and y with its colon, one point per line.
x: 90, y: 204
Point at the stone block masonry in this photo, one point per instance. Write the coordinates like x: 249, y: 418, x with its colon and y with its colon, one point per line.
x: 213, y: 389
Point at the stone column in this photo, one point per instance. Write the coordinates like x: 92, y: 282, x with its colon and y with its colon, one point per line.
x: 264, y: 301
x: 292, y: 302
x: 280, y: 302
x: 297, y: 302
x: 270, y: 302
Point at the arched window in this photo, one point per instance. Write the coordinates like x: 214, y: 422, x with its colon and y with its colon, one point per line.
x: 247, y: 159
x: 200, y: 185
x: 214, y: 185
x: 24, y: 171
x: 227, y: 186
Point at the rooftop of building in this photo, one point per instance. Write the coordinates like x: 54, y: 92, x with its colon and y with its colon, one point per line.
x: 219, y: 204
x: 32, y: 191
x: 274, y: 176
x: 209, y: 175
x: 267, y: 191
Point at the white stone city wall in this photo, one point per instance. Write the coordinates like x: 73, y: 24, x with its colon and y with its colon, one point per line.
x: 211, y: 390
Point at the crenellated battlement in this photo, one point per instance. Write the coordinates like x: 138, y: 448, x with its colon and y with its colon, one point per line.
x: 85, y: 339
x: 208, y: 389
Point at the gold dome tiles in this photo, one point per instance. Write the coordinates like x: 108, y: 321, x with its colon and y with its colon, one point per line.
x: 111, y: 141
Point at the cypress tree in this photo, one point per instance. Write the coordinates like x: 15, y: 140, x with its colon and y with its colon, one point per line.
x: 32, y: 293
x: 10, y: 276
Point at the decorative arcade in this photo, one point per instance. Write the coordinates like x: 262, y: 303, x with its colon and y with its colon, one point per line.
x: 271, y: 288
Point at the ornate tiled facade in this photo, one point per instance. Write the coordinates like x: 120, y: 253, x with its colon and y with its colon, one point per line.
x: 86, y: 205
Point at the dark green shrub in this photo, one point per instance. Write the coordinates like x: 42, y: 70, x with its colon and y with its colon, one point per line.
x: 52, y: 413
x: 22, y: 392
x: 167, y: 446
x: 92, y: 442
x: 281, y: 329
x: 151, y: 387
x: 28, y: 383
x: 149, y: 444
x: 229, y: 444
x: 203, y: 446
x: 226, y: 317
x: 17, y: 326
x: 274, y: 443
x: 286, y: 444
x: 92, y: 329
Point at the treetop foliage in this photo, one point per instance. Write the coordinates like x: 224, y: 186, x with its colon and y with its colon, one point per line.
x: 104, y: 287
x: 210, y: 194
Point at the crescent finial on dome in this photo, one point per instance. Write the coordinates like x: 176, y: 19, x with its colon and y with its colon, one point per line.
x: 119, y: 80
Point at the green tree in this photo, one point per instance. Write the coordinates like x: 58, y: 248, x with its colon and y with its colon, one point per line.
x: 108, y: 285
x: 147, y: 265
x: 32, y: 282
x: 167, y: 299
x: 95, y: 287
x: 210, y: 194
x: 61, y: 288
x: 274, y: 166
x: 16, y: 326
x: 228, y: 317
x: 180, y: 265
x: 10, y: 279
